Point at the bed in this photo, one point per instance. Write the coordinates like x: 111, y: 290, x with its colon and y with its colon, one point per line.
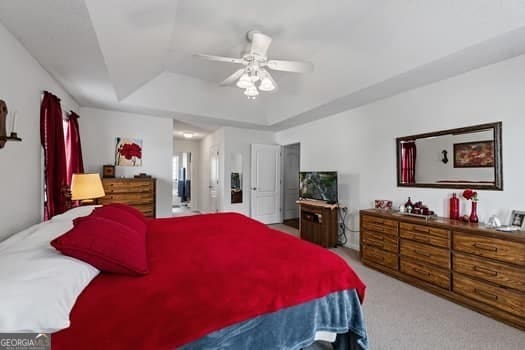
x: 219, y: 281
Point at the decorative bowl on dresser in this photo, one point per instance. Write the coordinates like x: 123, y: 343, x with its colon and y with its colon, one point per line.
x: 477, y: 267
x: 139, y: 193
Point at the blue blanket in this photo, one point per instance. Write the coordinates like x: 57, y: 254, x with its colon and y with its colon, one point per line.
x: 294, y: 328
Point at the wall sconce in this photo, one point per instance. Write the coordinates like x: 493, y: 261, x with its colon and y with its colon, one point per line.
x: 3, y: 121
x: 444, y: 156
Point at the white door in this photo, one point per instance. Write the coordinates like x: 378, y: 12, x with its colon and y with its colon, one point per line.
x: 291, y: 181
x: 214, y: 178
x: 266, y: 183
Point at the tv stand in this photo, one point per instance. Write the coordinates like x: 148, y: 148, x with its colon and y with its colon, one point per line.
x: 318, y: 222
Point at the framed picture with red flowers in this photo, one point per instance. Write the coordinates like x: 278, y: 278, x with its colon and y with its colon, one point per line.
x: 128, y: 152
x: 478, y: 154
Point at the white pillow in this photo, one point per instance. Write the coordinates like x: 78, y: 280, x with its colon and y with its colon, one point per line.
x: 39, y: 286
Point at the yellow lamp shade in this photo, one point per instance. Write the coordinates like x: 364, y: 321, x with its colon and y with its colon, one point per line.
x: 86, y: 186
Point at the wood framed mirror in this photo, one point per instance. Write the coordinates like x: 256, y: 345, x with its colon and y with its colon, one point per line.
x: 469, y: 157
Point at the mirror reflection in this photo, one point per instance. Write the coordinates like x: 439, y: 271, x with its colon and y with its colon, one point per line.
x: 236, y: 178
x: 458, y: 158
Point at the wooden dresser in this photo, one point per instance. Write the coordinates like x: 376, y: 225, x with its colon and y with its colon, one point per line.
x: 477, y: 267
x: 138, y: 193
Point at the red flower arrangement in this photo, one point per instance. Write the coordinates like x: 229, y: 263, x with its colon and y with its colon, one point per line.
x: 470, y: 195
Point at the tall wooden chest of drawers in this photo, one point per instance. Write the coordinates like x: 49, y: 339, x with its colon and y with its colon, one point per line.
x: 477, y: 267
x: 136, y: 192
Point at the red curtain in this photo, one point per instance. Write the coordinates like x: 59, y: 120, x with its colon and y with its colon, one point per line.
x: 74, y: 162
x: 408, y: 162
x: 52, y: 140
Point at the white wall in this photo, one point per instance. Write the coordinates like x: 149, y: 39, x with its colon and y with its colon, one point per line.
x: 194, y: 147
x: 430, y: 168
x: 22, y: 81
x: 360, y: 144
x: 98, y: 129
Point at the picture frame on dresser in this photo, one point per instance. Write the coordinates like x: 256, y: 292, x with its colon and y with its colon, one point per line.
x: 108, y: 171
x: 517, y: 218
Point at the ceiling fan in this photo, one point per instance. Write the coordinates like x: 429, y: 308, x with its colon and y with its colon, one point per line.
x: 255, y: 61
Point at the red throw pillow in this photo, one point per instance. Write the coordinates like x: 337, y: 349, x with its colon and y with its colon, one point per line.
x: 133, y: 211
x: 107, y: 245
x: 122, y: 216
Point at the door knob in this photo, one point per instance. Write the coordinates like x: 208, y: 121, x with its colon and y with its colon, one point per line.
x: 254, y: 188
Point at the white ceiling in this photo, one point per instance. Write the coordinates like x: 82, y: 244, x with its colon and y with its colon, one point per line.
x: 137, y: 55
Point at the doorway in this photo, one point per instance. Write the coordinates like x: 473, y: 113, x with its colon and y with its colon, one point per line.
x: 265, y: 203
x: 291, y: 166
x: 182, y: 173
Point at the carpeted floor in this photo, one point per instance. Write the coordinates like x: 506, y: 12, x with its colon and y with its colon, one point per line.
x: 403, y: 317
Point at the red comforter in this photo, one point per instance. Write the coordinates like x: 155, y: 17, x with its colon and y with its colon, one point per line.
x: 207, y: 272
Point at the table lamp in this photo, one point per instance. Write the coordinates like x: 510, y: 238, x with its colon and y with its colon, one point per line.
x: 86, y: 188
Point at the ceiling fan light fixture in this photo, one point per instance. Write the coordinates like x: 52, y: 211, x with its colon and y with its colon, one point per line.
x: 266, y: 85
x: 245, y: 81
x: 251, y: 92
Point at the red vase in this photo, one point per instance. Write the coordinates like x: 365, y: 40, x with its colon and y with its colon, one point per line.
x: 454, y: 207
x: 474, y: 213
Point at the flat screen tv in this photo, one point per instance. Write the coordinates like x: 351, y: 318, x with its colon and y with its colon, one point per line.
x: 318, y: 185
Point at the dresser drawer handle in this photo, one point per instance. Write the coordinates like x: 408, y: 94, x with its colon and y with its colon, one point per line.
x: 485, y: 294
x: 485, y: 247
x: 422, y: 238
x: 378, y: 245
x: 420, y: 230
x: 418, y: 252
x: 485, y: 271
x: 422, y: 272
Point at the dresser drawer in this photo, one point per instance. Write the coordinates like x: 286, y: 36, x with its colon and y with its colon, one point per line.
x: 380, y: 221
x: 425, y: 253
x: 379, y: 240
x: 115, y: 186
x: 437, y: 277
x: 424, y: 229
x: 147, y: 210
x: 488, y: 247
x: 427, y: 238
x: 128, y: 198
x: 392, y: 231
x: 380, y: 257
x: 495, y: 272
x: 503, y: 299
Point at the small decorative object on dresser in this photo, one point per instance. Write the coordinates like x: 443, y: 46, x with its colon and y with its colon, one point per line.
x: 108, y: 171
x: 383, y: 204
x: 517, y: 218
x: 472, y: 265
x: 473, y: 196
x: 139, y: 193
x: 454, y: 207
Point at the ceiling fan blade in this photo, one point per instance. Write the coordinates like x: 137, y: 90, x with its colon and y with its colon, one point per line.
x: 220, y: 58
x: 290, y: 66
x: 233, y: 78
x: 260, y: 44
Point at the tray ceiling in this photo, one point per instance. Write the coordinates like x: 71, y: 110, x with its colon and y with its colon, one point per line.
x: 137, y: 56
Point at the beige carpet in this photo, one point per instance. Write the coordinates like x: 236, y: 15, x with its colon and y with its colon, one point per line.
x: 399, y: 316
